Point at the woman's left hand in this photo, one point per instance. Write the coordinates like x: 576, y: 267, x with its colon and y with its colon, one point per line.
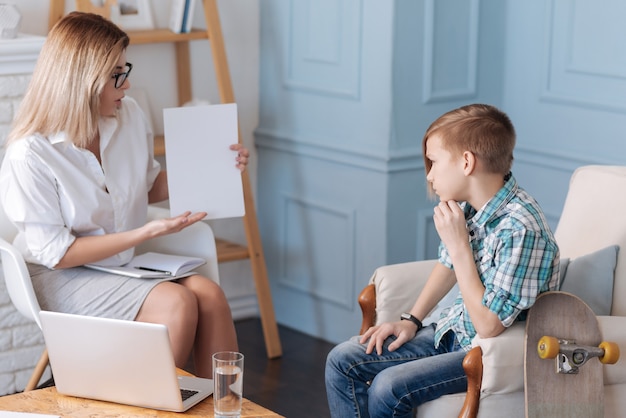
x: 242, y: 156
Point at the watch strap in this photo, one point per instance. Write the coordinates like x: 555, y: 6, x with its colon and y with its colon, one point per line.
x: 408, y: 317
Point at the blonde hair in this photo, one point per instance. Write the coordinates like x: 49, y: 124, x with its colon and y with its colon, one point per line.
x: 77, y: 60
x: 482, y: 129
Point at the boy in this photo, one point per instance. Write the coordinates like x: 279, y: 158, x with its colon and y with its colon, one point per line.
x: 495, y: 243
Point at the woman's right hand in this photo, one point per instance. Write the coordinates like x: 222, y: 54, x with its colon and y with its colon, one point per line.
x: 92, y: 248
x: 166, y: 226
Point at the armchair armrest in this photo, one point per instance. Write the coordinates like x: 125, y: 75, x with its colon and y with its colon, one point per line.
x: 392, y: 289
x: 473, y: 366
x: 196, y: 240
x: 397, y: 287
x: 503, y: 360
x: 367, y: 302
x: 494, y: 365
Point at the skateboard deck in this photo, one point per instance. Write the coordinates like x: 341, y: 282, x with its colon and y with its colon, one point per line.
x: 568, y: 380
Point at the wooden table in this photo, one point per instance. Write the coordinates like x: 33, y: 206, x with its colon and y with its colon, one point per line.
x: 48, y: 401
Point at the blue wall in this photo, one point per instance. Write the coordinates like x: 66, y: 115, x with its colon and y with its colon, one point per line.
x: 348, y: 88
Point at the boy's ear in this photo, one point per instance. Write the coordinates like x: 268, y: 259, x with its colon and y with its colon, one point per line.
x: 469, y: 162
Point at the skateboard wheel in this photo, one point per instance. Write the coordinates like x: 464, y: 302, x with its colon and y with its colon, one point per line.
x: 548, y: 347
x: 611, y: 352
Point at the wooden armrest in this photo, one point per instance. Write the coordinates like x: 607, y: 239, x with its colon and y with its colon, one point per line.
x: 473, y: 366
x: 367, y: 301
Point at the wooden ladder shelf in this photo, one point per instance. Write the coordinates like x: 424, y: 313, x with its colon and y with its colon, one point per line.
x: 226, y: 251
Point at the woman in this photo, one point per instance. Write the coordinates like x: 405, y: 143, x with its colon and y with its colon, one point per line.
x: 78, y: 174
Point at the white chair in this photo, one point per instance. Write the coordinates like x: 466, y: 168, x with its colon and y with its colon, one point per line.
x: 197, y: 240
x: 20, y: 288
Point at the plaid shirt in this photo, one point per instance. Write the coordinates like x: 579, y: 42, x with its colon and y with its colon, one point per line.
x: 516, y: 256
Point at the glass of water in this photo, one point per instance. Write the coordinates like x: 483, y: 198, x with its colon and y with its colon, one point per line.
x: 227, y: 383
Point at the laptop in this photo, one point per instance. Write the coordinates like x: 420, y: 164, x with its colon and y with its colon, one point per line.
x: 118, y: 361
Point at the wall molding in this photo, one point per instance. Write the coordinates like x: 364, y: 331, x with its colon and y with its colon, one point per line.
x: 431, y: 93
x: 409, y: 160
x: 330, y: 50
x: 576, y: 82
x: 396, y: 161
x: 561, y: 161
x: 306, y: 285
x: 19, y: 55
x: 424, y: 224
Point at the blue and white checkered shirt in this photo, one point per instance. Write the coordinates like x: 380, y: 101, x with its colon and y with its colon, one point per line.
x: 516, y: 256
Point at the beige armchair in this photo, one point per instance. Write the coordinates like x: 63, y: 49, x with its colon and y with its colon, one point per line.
x: 592, y: 219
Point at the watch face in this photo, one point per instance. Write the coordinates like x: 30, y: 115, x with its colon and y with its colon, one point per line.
x: 405, y: 316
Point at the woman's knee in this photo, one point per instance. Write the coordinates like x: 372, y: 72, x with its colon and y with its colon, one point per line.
x: 209, y: 295
x: 171, y: 301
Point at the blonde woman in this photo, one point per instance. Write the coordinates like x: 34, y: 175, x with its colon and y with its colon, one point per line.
x: 78, y: 174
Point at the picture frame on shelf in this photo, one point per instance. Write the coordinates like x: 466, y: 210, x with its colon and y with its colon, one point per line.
x: 132, y: 14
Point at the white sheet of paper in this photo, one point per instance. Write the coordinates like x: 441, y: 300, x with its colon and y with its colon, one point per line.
x: 201, y: 169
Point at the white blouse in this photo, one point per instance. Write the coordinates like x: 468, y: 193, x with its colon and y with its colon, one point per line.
x: 54, y: 191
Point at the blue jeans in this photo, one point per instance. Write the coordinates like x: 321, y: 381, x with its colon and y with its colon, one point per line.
x: 392, y: 384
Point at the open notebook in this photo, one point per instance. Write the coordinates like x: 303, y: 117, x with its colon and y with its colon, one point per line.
x: 154, y: 265
x: 118, y: 361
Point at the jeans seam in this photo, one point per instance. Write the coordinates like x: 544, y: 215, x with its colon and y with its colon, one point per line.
x: 397, y: 360
x: 426, y: 388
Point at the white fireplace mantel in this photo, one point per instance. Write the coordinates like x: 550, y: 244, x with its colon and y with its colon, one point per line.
x: 18, y: 55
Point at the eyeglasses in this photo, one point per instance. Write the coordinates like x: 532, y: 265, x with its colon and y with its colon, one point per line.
x: 120, y: 78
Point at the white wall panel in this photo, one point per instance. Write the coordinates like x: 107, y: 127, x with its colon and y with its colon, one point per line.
x: 585, y: 64
x: 319, y: 246
x: 450, y: 49
x: 325, y: 47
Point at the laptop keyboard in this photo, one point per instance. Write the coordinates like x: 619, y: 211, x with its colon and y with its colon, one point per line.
x: 186, y: 393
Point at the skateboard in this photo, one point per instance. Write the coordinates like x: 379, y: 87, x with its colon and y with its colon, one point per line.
x: 563, y: 359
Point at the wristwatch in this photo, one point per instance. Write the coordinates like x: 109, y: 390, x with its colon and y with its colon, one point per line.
x: 408, y: 317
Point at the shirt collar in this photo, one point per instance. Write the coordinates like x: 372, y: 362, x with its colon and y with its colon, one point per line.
x: 57, y: 138
x: 106, y: 126
x: 492, y: 207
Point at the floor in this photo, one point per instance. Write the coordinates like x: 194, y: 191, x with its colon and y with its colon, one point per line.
x: 292, y: 385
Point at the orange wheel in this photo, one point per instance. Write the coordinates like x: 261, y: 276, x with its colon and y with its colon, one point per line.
x: 611, y: 352
x: 548, y: 347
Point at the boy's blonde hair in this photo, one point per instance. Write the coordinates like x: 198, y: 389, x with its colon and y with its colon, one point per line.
x: 78, y: 58
x: 484, y: 130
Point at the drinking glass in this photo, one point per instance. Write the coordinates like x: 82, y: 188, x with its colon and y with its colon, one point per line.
x: 227, y: 384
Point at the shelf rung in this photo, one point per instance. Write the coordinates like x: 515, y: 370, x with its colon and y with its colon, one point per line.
x: 164, y: 35
x: 230, y: 251
x: 159, y: 145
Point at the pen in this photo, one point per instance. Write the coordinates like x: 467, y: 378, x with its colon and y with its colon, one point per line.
x: 155, y: 270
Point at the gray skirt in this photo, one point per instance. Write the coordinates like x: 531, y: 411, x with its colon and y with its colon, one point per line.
x: 84, y: 291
